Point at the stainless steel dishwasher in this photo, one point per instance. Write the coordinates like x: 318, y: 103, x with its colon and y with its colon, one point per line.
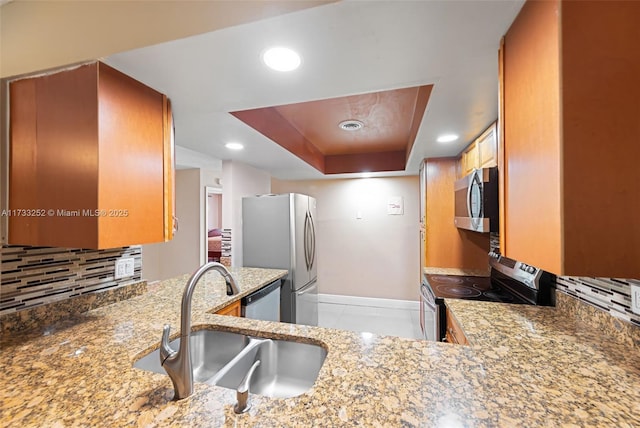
x: 263, y: 304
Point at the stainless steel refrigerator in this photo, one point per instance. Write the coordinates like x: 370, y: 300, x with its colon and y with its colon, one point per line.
x: 279, y: 231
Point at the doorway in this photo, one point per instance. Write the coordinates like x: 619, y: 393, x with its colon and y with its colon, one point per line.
x: 213, y: 219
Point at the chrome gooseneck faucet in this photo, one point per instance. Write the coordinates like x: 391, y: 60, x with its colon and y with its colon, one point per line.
x: 177, y: 364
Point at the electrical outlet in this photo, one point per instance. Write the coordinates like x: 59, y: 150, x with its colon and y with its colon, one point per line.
x: 635, y: 299
x: 124, y: 268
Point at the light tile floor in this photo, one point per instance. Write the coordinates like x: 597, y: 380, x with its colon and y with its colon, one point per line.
x: 386, y: 321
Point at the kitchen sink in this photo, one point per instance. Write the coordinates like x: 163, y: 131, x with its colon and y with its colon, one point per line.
x: 211, y: 350
x: 286, y: 369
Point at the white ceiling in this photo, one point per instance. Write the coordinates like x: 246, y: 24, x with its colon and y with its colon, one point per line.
x: 348, y: 48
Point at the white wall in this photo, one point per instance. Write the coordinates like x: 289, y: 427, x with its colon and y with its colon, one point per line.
x: 239, y: 180
x: 375, y: 256
x: 187, y: 158
x: 185, y: 253
x: 214, y: 211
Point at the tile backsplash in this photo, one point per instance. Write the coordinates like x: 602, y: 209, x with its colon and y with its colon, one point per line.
x: 612, y: 295
x: 494, y: 242
x: 34, y: 276
x: 225, y: 258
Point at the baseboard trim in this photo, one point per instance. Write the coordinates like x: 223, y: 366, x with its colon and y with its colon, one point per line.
x: 369, y: 301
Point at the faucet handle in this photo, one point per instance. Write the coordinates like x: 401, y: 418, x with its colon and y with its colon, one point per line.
x: 165, y: 349
x: 242, y: 393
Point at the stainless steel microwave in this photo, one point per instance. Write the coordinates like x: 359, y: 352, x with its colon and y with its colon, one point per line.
x: 476, y: 201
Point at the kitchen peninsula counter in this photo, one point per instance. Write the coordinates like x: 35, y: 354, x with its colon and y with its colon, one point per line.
x: 535, y: 369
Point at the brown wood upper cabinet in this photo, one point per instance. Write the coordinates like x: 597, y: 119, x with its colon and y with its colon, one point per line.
x: 443, y: 244
x: 91, y: 161
x: 481, y: 153
x: 570, y: 110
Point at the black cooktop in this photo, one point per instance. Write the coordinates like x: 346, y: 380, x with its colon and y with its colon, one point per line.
x: 511, y: 281
x: 471, y: 288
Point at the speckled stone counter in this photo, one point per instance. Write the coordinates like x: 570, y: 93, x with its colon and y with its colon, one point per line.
x: 563, y: 369
x: 533, y: 369
x: 455, y: 271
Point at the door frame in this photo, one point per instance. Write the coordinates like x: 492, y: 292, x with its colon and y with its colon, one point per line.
x: 208, y: 190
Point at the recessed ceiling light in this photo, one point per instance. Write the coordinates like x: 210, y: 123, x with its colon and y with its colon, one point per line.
x: 447, y: 138
x: 351, y: 125
x: 281, y: 59
x: 234, y: 146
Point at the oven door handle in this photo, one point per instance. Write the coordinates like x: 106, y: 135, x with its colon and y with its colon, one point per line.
x: 427, y: 293
x: 432, y: 306
x: 427, y: 300
x: 428, y: 304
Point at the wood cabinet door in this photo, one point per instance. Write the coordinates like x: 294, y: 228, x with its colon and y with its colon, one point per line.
x: 454, y: 331
x: 130, y: 143
x: 446, y: 246
x: 571, y: 141
x: 169, y: 171
x: 470, y: 159
x: 488, y: 148
x: 91, y: 152
x: 53, y: 159
x: 233, y: 309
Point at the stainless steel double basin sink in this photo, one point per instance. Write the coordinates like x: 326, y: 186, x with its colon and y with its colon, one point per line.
x: 286, y: 369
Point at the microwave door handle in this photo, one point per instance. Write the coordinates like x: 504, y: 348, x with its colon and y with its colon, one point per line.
x: 469, y: 190
x: 474, y: 180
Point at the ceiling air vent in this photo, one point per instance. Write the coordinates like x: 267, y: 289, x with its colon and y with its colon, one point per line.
x: 351, y: 125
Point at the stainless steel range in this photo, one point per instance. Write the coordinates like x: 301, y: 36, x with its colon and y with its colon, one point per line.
x: 510, y: 282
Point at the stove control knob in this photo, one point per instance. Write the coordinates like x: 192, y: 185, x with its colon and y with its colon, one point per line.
x: 531, y: 269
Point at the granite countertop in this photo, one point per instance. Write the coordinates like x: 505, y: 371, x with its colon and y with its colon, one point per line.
x: 564, y: 371
x: 526, y: 367
x: 455, y: 271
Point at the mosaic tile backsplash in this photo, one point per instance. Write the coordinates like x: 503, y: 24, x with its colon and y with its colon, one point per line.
x: 34, y: 276
x: 494, y: 242
x: 611, y: 295
x: 225, y: 258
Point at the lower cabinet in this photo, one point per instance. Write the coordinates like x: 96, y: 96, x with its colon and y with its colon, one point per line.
x: 233, y: 310
x: 454, y: 331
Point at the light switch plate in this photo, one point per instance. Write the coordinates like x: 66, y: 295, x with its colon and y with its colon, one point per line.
x: 124, y: 268
x: 635, y: 299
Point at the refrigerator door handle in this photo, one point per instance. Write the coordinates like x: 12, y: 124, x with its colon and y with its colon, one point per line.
x: 306, y: 240
x: 310, y: 287
x: 313, y: 242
